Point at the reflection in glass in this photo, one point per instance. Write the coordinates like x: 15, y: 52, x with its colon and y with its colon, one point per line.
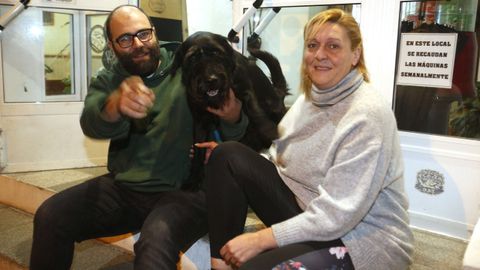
x: 96, y: 43
x: 57, y: 28
x: 420, y: 104
x: 22, y: 51
x: 283, y: 37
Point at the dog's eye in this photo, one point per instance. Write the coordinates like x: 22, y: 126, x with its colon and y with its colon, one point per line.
x: 196, y: 53
x: 211, y: 51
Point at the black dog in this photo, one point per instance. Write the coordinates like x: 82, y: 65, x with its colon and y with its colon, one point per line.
x: 210, y: 67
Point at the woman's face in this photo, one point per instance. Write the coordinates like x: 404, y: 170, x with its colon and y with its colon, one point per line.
x: 328, y: 56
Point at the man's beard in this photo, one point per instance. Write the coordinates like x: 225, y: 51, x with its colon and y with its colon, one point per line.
x: 142, y: 69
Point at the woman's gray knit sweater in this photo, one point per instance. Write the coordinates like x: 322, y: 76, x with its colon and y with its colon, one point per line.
x: 340, y: 155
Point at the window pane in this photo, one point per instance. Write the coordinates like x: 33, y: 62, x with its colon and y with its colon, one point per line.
x: 58, y: 51
x: 96, y: 43
x: 437, y: 85
x: 283, y: 37
x: 23, y: 61
x: 37, y: 56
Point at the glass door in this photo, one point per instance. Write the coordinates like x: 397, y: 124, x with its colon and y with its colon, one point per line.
x: 437, y: 86
x: 282, y: 36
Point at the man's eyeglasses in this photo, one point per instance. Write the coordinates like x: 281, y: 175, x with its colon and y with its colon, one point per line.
x: 126, y: 40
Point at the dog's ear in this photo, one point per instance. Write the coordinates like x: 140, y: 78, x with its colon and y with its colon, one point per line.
x: 223, y: 41
x: 178, y: 57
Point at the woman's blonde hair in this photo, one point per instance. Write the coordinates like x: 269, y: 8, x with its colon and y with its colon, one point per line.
x: 336, y: 16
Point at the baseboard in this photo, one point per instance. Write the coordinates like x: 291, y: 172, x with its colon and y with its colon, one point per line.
x: 440, y: 225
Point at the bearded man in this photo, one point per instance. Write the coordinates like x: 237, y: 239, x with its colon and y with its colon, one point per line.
x: 143, y: 111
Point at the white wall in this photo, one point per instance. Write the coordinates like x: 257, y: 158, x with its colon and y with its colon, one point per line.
x: 209, y: 15
x: 63, y: 146
x: 454, y: 211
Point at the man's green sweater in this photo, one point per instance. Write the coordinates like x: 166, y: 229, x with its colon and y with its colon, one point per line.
x: 149, y: 154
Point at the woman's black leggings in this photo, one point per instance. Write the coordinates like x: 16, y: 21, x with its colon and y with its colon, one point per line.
x: 238, y: 177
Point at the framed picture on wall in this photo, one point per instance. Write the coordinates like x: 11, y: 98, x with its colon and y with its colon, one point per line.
x: 158, y: 6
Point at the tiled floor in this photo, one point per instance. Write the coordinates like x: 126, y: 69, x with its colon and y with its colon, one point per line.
x: 16, y: 241
x: 437, y: 252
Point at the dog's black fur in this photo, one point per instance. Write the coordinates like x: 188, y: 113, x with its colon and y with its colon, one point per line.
x: 210, y: 67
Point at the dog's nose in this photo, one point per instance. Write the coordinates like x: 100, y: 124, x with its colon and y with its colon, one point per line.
x: 213, y: 82
x: 212, y: 79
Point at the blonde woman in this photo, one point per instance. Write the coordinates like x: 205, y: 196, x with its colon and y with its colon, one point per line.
x: 331, y: 192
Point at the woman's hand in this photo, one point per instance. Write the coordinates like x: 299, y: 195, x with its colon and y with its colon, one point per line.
x: 209, y: 146
x: 246, y: 246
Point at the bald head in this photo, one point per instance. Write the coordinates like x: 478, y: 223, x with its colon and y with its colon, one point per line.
x: 125, y: 14
x: 131, y: 36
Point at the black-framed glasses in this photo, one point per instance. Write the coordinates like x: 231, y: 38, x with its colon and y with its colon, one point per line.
x: 126, y: 40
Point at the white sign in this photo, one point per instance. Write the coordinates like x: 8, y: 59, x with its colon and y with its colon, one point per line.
x: 427, y: 59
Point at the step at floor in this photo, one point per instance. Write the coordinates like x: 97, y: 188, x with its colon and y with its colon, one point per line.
x: 58, y: 180
x: 16, y: 240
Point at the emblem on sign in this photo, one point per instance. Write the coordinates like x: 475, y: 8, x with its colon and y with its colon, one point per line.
x: 430, y: 182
